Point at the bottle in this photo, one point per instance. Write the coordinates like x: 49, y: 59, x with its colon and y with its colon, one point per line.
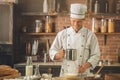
x: 45, y: 6
x: 106, y: 6
x: 36, y: 75
x: 58, y: 7
x: 38, y: 26
x: 96, y: 7
x: 29, y: 67
x: 95, y: 27
x: 45, y: 56
x: 111, y: 27
x: 48, y: 25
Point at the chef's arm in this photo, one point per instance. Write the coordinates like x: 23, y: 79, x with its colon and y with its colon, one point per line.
x: 59, y: 55
x: 87, y: 65
x: 55, y: 51
x: 84, y: 67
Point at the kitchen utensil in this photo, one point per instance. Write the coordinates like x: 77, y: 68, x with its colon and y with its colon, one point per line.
x: 28, y: 48
x: 71, y: 54
x: 35, y: 47
x: 99, y: 71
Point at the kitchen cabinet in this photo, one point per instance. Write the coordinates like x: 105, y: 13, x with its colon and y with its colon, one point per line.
x: 43, y: 68
x: 9, y: 32
x: 56, y: 66
x: 6, y: 33
x: 31, y: 35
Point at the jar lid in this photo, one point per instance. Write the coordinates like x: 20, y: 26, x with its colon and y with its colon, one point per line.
x: 110, y: 19
x: 37, y: 20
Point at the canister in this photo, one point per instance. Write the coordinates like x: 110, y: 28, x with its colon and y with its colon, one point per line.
x: 38, y: 26
x: 111, y: 26
x: 71, y: 54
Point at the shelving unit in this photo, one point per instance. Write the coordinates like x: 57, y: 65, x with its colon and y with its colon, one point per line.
x: 39, y: 34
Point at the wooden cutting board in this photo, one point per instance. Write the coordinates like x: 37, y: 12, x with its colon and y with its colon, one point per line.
x: 112, y: 77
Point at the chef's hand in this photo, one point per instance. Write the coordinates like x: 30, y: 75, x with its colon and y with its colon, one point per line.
x: 82, y: 68
x: 60, y: 54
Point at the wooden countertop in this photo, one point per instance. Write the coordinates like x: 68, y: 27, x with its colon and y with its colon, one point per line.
x: 59, y: 64
x: 42, y: 64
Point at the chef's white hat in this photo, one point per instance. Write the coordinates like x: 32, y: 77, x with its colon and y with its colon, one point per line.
x: 78, y: 11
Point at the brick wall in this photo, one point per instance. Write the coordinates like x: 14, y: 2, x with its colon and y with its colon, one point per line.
x: 108, y: 50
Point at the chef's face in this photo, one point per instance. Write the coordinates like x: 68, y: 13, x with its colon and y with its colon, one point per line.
x: 76, y: 23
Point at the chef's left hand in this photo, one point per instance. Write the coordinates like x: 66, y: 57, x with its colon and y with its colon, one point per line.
x: 82, y: 68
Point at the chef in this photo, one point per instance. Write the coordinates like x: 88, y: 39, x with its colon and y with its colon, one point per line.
x: 76, y: 37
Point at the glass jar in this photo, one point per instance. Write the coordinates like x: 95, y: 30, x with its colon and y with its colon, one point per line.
x: 103, y: 26
x: 48, y: 25
x: 36, y: 75
x: 95, y: 27
x: 111, y: 26
x: 38, y: 26
x: 96, y: 7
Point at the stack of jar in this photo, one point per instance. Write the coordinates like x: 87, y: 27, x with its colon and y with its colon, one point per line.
x: 107, y: 26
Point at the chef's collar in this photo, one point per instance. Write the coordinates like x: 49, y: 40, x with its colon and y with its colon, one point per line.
x: 78, y: 31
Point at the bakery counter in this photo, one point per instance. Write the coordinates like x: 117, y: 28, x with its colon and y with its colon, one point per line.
x: 43, y: 67
x: 55, y: 66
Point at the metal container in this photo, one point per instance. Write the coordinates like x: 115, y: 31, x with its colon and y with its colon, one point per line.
x: 71, y: 54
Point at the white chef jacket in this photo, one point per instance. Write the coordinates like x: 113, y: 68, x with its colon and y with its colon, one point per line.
x: 86, y: 44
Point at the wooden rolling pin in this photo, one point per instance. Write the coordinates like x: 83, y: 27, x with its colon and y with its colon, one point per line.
x: 28, y: 49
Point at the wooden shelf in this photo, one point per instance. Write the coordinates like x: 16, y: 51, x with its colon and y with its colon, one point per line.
x: 104, y: 15
x: 40, y: 34
x: 38, y: 14
x: 108, y: 33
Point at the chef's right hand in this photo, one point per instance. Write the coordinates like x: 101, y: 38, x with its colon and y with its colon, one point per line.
x: 60, y: 54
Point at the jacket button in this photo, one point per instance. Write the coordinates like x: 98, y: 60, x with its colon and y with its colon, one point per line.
x: 83, y: 35
x: 80, y: 55
x: 82, y: 46
x: 68, y: 44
